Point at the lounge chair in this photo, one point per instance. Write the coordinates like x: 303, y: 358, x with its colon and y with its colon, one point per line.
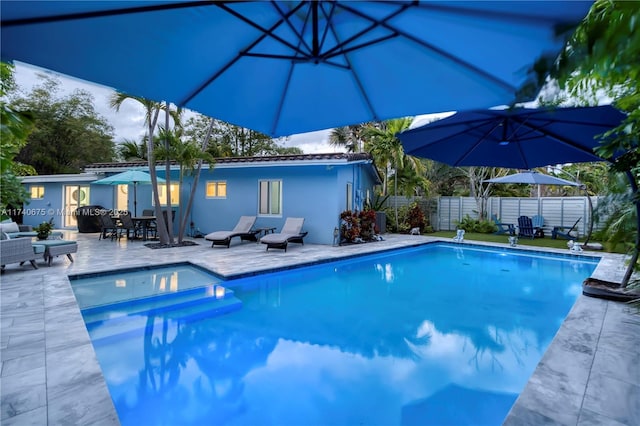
x: 503, y: 228
x: 559, y: 231
x: 525, y: 227
x: 291, y: 233
x: 242, y: 230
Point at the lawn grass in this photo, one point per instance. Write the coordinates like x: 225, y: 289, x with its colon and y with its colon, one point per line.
x: 537, y: 242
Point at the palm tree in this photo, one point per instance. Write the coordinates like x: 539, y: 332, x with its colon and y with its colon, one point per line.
x: 387, y: 150
x: 189, y: 155
x: 350, y: 137
x: 152, y: 111
x: 130, y: 150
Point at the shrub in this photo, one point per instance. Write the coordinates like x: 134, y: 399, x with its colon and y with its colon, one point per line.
x: 415, y: 217
x: 470, y: 224
x: 411, y: 216
x: 357, y: 226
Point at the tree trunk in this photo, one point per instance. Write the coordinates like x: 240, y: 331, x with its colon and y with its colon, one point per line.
x: 167, y: 168
x: 196, y: 178
x: 636, y: 250
x: 162, y: 228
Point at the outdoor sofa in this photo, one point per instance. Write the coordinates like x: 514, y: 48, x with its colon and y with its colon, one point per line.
x: 13, y: 230
x: 18, y: 250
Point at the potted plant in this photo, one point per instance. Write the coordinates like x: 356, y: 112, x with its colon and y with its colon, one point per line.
x: 44, y: 230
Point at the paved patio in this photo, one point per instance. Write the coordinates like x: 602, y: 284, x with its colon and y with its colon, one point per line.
x: 589, y: 375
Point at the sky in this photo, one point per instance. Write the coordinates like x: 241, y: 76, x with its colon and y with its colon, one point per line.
x: 128, y: 122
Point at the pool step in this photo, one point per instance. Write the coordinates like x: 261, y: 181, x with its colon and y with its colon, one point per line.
x: 135, y: 316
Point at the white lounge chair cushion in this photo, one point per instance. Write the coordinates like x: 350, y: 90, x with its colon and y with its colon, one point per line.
x: 292, y: 228
x: 244, y: 225
x: 277, y: 238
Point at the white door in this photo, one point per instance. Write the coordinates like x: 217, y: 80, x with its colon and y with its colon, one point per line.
x: 122, y: 197
x: 74, y: 197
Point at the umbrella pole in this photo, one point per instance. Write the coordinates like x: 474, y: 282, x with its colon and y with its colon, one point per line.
x: 135, y: 199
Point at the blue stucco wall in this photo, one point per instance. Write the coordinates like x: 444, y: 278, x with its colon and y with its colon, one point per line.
x: 315, y: 192
x: 307, y: 191
x: 51, y: 206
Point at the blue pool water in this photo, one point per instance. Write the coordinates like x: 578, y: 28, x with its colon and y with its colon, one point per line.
x: 432, y: 335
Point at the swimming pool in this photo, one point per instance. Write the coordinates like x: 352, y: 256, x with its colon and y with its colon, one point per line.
x: 433, y: 335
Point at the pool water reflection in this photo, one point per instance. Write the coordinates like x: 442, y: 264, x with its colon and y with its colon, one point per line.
x: 430, y: 335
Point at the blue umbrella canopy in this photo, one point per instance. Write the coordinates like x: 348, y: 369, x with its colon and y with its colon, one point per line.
x: 532, y: 178
x: 519, y: 138
x: 130, y: 177
x: 285, y: 67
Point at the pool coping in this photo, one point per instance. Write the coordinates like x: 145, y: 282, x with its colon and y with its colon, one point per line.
x: 75, y: 391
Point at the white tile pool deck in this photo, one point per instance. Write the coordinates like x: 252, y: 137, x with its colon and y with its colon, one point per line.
x: 590, y: 374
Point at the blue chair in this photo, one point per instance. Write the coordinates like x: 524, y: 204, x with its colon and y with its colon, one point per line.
x: 538, y: 224
x: 525, y: 227
x: 559, y: 231
x: 503, y: 228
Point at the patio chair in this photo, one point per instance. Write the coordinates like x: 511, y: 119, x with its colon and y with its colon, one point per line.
x: 538, y: 224
x: 503, y: 228
x: 152, y: 224
x: 242, y: 230
x: 108, y: 226
x: 127, y: 224
x: 291, y: 233
x: 525, y: 227
x: 559, y: 231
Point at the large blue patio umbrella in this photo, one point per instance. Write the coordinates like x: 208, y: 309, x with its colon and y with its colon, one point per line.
x: 129, y: 177
x: 518, y: 138
x: 286, y: 67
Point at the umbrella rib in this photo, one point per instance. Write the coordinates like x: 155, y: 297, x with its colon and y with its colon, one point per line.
x: 478, y: 142
x: 266, y: 32
x: 340, y: 49
x: 562, y: 140
x: 442, y: 53
x: 358, y: 81
x: 104, y: 13
x: 288, y: 80
x: 298, y: 34
x: 240, y: 54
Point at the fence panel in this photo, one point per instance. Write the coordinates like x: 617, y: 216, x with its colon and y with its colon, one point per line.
x: 445, y: 212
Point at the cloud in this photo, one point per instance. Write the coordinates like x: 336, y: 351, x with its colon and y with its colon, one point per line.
x: 313, y: 142
x: 128, y: 122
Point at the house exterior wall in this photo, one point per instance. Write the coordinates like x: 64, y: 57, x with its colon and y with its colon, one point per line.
x: 40, y: 210
x: 307, y: 191
x: 51, y: 205
x: 315, y: 192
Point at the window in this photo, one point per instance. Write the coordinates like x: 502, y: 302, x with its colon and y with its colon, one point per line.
x: 349, y: 196
x: 216, y: 189
x: 37, y: 192
x: 270, y: 197
x: 175, y: 194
